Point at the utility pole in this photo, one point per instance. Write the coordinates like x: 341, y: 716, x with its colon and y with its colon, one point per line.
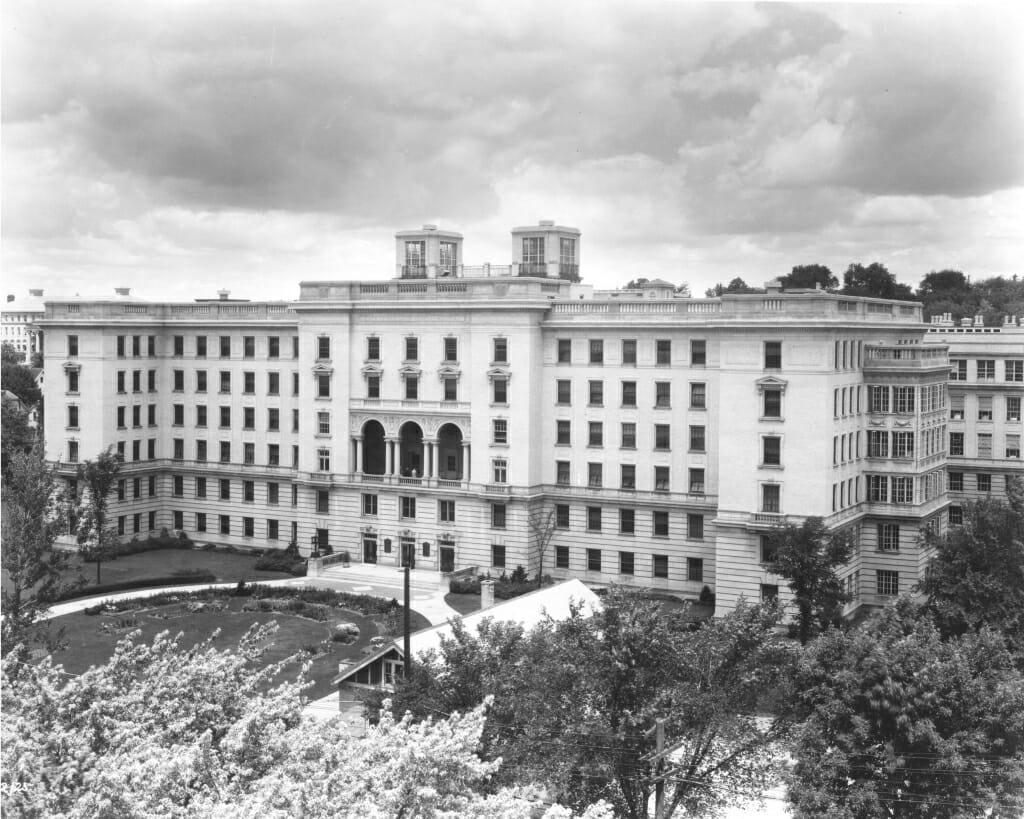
x: 407, y: 669
x: 659, y: 772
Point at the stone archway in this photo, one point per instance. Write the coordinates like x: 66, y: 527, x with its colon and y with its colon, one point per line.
x: 410, y: 450
x: 449, y: 453
x: 374, y: 448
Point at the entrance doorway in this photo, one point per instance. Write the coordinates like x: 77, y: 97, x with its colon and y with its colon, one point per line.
x: 408, y: 554
x: 447, y: 557
x: 369, y: 549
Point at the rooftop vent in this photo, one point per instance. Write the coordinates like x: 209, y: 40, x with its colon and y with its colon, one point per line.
x: 547, y: 223
x: 430, y: 227
x: 10, y: 297
x: 123, y: 291
x: 223, y: 294
x: 37, y: 292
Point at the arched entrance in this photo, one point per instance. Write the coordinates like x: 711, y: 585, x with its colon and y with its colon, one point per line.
x: 449, y: 453
x: 374, y: 452
x: 410, y: 448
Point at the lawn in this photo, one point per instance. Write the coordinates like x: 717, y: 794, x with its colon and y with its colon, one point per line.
x: 91, y: 639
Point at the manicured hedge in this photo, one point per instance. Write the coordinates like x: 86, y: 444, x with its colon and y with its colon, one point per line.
x: 184, y: 579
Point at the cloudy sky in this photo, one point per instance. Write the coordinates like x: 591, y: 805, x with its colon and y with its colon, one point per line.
x: 186, y: 145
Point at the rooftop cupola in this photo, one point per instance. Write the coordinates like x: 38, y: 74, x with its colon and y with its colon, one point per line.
x: 546, y: 251
x: 428, y: 253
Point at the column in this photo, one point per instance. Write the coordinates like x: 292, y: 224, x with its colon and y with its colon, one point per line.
x: 359, y: 454
x: 465, y: 461
x: 429, y: 471
x: 389, y: 444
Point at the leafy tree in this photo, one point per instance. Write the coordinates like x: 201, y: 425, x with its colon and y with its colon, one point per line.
x: 976, y: 576
x: 810, y: 276
x: 999, y: 296
x: 808, y: 556
x: 15, y: 433
x: 95, y: 537
x: 10, y: 355
x: 131, y: 739
x: 18, y: 378
x: 542, y: 529
x: 737, y: 285
x: 574, y: 701
x: 902, y: 723
x: 874, y: 281
x: 947, y: 291
x: 635, y: 284
x: 33, y: 517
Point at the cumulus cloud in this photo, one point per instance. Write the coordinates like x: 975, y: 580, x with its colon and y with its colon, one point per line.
x: 291, y: 139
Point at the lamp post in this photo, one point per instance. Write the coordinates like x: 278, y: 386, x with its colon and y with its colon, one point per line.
x: 314, y: 545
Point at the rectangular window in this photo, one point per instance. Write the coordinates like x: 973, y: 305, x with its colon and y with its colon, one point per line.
x: 773, y: 355
x: 248, y: 346
x: 984, y: 482
x: 323, y: 423
x: 200, y: 487
x: 956, y: 516
x: 596, y: 351
x: 295, y: 383
x: 593, y: 560
x: 72, y: 346
x: 273, y: 419
x: 225, y: 346
x: 563, y: 392
x: 696, y: 438
x: 596, y: 393
x: 497, y: 556
x: 903, y: 399
x: 878, y: 399
x: 273, y: 493
x: 564, y: 350
x: 956, y: 443
x: 72, y: 417
x: 225, y: 489
x: 407, y: 507
x: 698, y: 395
x: 878, y: 489
x: 273, y: 530
x: 772, y: 404
x: 200, y: 521
x: 248, y: 417
x: 497, y: 516
x: 225, y: 381
x: 1012, y: 408
x: 200, y: 346
x: 120, y: 346
x: 248, y: 491
x: 629, y: 393
x: 500, y: 431
x: 1012, y: 445
x: 984, y: 445
x: 562, y: 517
x: 72, y: 380
x: 955, y: 481
x: 903, y: 444
x: 369, y: 504
x: 629, y: 351
x: 698, y: 353
x: 273, y: 346
x: 772, y: 449
x: 662, y: 394
x: 628, y: 435
x: 695, y: 527
x: 662, y: 352
x: 499, y: 469
x: 446, y: 511
x: 627, y: 563
x: 595, y: 436
x: 769, y: 592
x: 958, y: 369
x: 984, y: 407
x: 136, y: 346
x: 451, y: 349
x: 887, y: 583
x: 500, y: 386
x: 225, y: 524
x: 769, y: 549
x: 771, y: 498
x: 627, y: 521
x: 662, y: 436
x: 201, y: 451
x: 661, y: 566
x: 249, y: 383
x: 659, y: 523
x: 627, y: 476
x: 1015, y: 370
x: 986, y: 369
x: 593, y: 518
x: 323, y: 459
x: 412, y: 348
x: 695, y: 569
x: 323, y: 348
x: 273, y: 454
x: 499, y: 350
x: 595, y: 475
x: 373, y: 386
x: 323, y: 386
x: 563, y: 432
x: 323, y: 501
x: 888, y: 537
x: 562, y: 473
x: 561, y: 557
x: 178, y: 486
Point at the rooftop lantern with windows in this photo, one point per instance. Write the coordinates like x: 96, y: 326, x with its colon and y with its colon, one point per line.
x: 428, y: 253
x: 546, y: 251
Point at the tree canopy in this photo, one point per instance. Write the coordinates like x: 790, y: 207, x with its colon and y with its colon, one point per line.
x: 903, y: 723
x: 98, y: 478
x: 807, y: 556
x: 875, y: 281
x: 810, y: 276
x: 18, y: 378
x: 737, y: 285
x: 131, y: 738
x: 574, y: 700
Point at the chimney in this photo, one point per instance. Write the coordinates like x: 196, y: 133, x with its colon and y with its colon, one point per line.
x: 486, y: 594
x: 10, y: 297
x: 223, y: 294
x: 123, y: 291
x: 979, y: 321
x: 965, y: 322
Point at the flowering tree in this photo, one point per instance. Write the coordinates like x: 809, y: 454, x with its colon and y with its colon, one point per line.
x: 164, y: 731
x: 95, y: 536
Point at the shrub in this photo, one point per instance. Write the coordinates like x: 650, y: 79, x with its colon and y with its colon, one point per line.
x: 140, y: 583
x: 707, y: 597
x: 276, y: 561
x: 518, y: 576
x: 465, y: 585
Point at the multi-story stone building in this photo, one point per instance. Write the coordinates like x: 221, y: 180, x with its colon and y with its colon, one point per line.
x: 986, y: 388
x: 18, y: 321
x: 470, y: 416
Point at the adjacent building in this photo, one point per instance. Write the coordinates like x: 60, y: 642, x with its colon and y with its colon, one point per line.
x: 494, y: 416
x: 18, y: 323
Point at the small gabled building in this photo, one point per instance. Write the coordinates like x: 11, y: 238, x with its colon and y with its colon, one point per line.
x: 383, y: 667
